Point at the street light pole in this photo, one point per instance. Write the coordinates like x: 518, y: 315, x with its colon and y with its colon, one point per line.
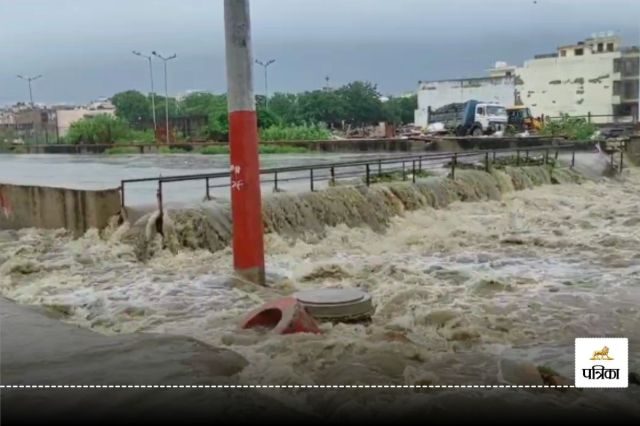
x: 165, y: 59
x: 265, y: 66
x: 153, y: 95
x: 246, y: 204
x: 29, y: 80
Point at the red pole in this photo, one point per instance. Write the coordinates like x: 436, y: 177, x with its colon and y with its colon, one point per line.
x: 246, y: 204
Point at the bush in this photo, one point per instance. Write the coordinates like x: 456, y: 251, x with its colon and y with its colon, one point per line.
x: 122, y: 150
x: 99, y: 129
x: 572, y: 127
x: 172, y: 150
x: 295, y: 133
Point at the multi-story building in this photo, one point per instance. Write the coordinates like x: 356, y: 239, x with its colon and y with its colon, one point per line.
x: 596, y: 77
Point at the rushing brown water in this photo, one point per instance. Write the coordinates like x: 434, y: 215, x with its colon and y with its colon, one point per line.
x: 459, y: 289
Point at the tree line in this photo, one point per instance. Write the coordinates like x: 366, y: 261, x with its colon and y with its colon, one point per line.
x: 356, y: 104
x: 284, y: 116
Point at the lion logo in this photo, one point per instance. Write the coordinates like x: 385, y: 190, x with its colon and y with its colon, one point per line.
x: 602, y: 354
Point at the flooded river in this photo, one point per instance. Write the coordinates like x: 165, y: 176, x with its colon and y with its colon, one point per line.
x: 458, y: 290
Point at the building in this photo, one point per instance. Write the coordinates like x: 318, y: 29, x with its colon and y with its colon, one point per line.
x: 597, y: 78
x: 43, y: 125
x: 577, y: 79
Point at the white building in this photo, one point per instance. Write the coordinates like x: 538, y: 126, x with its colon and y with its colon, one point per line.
x: 594, y: 77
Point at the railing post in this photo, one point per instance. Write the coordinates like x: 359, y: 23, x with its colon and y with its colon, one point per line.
x: 546, y: 156
x: 275, y: 182
x: 404, y: 172
x: 486, y: 161
x: 556, y: 156
x: 413, y: 174
x: 122, y: 194
x: 367, y: 178
x: 494, y: 157
x: 159, y: 196
x: 573, y: 158
x: 517, y: 157
x: 311, y: 178
x: 333, y: 176
x: 454, y: 161
x: 589, y: 116
x: 621, y: 160
x: 207, y: 188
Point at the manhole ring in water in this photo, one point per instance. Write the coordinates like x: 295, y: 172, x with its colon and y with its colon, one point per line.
x: 336, y: 304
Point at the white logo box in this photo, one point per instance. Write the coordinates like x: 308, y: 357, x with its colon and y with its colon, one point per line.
x: 602, y: 362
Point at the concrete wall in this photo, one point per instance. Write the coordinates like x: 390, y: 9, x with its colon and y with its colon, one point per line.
x: 341, y: 145
x: 24, y: 206
x: 574, y: 85
x: 439, y: 93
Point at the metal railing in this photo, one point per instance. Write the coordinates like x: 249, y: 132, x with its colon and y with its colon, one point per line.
x: 370, y: 170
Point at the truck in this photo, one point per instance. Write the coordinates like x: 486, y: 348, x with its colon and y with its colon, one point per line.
x: 521, y: 119
x: 470, y: 118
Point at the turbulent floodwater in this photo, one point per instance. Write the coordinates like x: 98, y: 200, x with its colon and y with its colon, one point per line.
x: 458, y: 290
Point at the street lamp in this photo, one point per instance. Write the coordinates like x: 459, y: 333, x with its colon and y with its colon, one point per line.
x: 165, y: 59
x: 265, y: 65
x: 153, y: 95
x: 29, y: 80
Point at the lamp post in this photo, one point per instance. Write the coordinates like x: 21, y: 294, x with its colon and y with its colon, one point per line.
x: 265, y: 66
x: 165, y: 59
x: 29, y: 80
x: 153, y: 95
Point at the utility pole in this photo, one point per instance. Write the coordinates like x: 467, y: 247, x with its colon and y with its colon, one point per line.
x: 246, y: 202
x: 153, y: 95
x: 29, y: 80
x: 166, y: 91
x: 265, y: 66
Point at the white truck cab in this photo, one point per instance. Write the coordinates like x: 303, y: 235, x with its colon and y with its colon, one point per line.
x: 489, y: 118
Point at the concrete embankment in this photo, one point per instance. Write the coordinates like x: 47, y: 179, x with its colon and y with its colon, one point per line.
x: 308, y: 215
x: 440, y: 144
x: 334, y: 145
x: 38, y: 349
x: 23, y: 206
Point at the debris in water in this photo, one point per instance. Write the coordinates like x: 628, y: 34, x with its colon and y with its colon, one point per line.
x: 282, y: 316
x: 337, y: 304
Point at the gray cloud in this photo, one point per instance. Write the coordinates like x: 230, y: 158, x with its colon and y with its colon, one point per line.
x: 83, y: 46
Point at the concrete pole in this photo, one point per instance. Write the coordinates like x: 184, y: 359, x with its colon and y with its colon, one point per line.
x: 246, y: 203
x: 166, y: 105
x: 153, y: 97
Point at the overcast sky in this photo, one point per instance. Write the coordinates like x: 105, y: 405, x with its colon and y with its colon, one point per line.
x: 82, y: 47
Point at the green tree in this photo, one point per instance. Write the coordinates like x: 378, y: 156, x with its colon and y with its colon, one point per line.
x: 202, y: 103
x: 99, y: 129
x: 174, y: 109
x: 285, y: 107
x: 400, y: 110
x: 132, y: 106
x: 322, y: 106
x: 361, y: 102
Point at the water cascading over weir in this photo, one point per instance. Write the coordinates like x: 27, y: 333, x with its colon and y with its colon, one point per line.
x: 307, y: 215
